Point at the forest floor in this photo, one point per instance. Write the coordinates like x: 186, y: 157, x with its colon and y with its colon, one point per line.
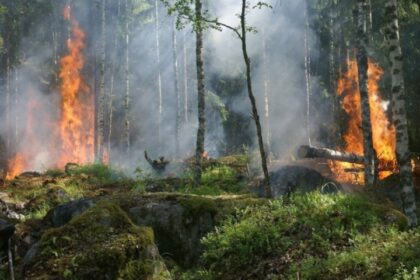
x: 93, y: 222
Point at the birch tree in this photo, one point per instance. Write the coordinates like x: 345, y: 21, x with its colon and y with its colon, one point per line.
x: 399, y: 111
x: 307, y: 65
x: 159, y: 74
x: 185, y: 73
x: 101, y: 98
x: 176, y: 86
x: 266, y: 85
x: 127, y: 78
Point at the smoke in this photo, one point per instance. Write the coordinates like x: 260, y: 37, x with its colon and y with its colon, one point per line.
x: 277, y: 56
x: 280, y: 66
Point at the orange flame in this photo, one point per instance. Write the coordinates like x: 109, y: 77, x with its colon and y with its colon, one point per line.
x: 16, y: 166
x: 383, y: 132
x: 77, y: 103
x: 72, y: 140
x: 23, y: 159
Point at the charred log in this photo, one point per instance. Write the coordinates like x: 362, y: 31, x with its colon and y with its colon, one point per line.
x: 315, y: 152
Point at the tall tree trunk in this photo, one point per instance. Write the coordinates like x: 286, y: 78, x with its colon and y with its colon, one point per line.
x: 184, y: 47
x: 159, y: 76
x: 112, y: 83
x: 266, y: 96
x: 201, y: 94
x: 362, y: 63
x: 369, y: 21
x: 16, y: 99
x: 307, y: 66
x: 8, y: 99
x: 253, y: 101
x: 101, y: 99
x: 127, y: 80
x: 400, y: 112
x: 334, y: 135
x: 176, y: 87
x: 68, y: 4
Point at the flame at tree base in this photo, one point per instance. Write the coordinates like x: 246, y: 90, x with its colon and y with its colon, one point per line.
x: 383, y: 132
x: 16, y: 166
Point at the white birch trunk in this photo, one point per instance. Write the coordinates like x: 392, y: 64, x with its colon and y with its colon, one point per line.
x: 399, y: 111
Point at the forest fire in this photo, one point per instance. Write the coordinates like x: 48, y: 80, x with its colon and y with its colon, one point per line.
x: 16, y: 166
x: 71, y: 137
x: 384, y: 137
x: 77, y: 113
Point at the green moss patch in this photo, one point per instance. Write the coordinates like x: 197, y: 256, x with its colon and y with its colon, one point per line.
x: 99, y: 244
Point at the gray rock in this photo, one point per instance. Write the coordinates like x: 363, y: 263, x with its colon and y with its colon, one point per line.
x: 63, y: 214
x: 177, y: 231
x: 31, y: 255
x: 289, y: 179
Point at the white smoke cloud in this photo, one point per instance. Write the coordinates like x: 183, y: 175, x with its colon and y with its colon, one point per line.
x: 282, y: 29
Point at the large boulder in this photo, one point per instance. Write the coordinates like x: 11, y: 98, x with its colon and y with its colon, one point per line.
x: 292, y: 178
x: 101, y: 243
x: 180, y: 221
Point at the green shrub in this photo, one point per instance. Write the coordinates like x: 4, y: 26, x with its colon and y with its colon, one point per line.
x: 312, y: 235
x: 55, y: 172
x: 216, y: 180
x: 99, y: 173
x: 404, y: 274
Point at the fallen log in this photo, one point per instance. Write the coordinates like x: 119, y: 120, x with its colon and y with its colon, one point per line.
x: 315, y: 152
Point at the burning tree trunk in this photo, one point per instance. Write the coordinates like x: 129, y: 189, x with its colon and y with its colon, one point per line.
x: 399, y: 111
x: 159, y: 74
x: 177, y: 93
x: 101, y: 98
x: 201, y: 93
x: 362, y: 63
x: 314, y: 152
x: 127, y: 79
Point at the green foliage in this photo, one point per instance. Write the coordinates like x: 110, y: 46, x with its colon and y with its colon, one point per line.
x: 55, y: 172
x: 312, y: 234
x: 404, y: 274
x: 141, y: 180
x: 216, y: 180
x: 215, y: 105
x: 99, y: 173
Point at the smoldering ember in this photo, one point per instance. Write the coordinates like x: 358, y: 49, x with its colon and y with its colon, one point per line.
x: 222, y: 139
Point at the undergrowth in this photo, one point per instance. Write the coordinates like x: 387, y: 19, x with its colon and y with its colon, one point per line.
x: 98, y: 173
x: 311, y: 236
x: 215, y: 180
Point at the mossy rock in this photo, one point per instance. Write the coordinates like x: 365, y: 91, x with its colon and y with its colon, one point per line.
x: 179, y: 221
x: 102, y: 243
